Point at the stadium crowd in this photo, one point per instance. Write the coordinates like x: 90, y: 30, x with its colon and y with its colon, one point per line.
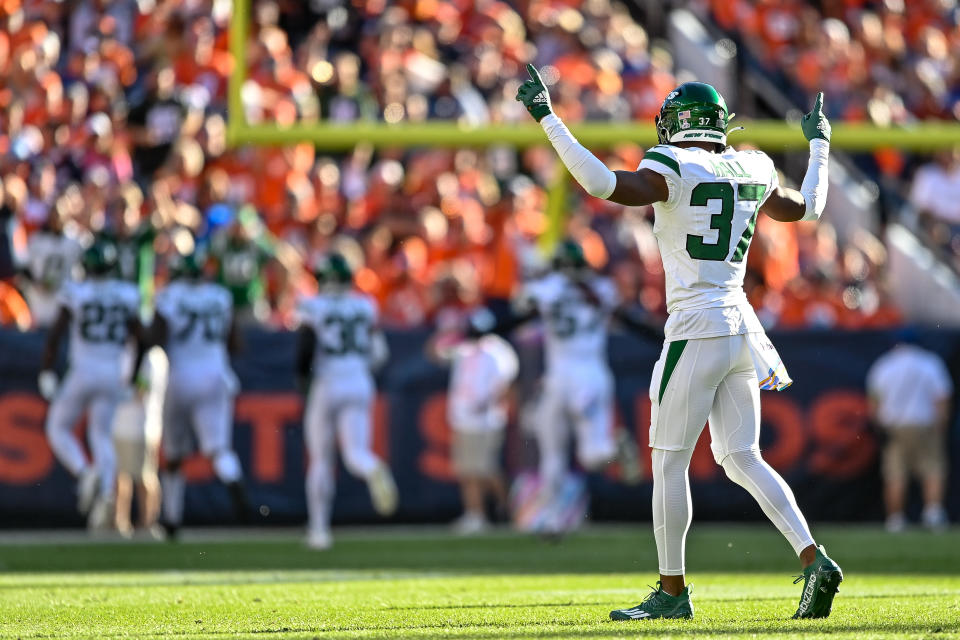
x: 113, y: 121
x: 886, y: 62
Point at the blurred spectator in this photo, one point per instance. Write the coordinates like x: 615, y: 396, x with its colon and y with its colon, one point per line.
x: 910, y: 392
x: 114, y: 122
x: 936, y: 196
x: 52, y: 254
x: 483, y: 368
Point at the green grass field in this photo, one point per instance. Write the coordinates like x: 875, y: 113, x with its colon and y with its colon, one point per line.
x: 394, y: 583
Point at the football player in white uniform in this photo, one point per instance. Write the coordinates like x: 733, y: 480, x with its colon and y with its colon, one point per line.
x: 194, y: 325
x: 706, y: 198
x: 101, y: 315
x: 50, y: 258
x: 576, y: 305
x: 339, y: 344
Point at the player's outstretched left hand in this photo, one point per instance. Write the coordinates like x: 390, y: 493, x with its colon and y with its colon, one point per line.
x: 534, y: 95
x: 815, y: 124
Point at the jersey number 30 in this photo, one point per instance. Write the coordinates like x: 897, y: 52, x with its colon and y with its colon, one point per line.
x: 722, y: 222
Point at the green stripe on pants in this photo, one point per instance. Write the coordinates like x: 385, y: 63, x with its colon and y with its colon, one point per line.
x: 674, y: 352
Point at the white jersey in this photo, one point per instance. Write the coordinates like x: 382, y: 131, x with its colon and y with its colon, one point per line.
x: 198, y: 315
x: 704, y: 231
x: 576, y: 327
x: 482, y: 372
x: 101, y: 310
x: 50, y: 259
x: 344, y: 325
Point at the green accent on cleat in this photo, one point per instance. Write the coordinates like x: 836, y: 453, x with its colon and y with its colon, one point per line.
x: 821, y: 581
x: 659, y: 604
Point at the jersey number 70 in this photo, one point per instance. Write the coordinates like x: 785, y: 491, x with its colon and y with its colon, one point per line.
x: 723, y: 191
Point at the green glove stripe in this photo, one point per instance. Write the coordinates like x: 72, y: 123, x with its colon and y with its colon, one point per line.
x: 666, y: 161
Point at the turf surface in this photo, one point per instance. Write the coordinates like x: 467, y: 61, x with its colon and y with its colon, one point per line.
x: 396, y: 583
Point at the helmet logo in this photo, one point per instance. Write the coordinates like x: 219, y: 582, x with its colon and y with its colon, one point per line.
x: 684, y: 124
x: 672, y: 95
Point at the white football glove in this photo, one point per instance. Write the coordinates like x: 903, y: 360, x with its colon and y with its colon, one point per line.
x: 47, y: 383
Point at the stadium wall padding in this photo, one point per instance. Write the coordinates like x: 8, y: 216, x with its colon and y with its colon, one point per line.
x: 816, y: 433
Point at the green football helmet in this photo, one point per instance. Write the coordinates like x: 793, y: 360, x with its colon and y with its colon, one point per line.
x: 99, y: 258
x: 334, y: 270
x: 568, y: 256
x: 693, y: 112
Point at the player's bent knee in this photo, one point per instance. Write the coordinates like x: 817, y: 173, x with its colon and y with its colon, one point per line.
x: 737, y: 464
x: 360, y: 463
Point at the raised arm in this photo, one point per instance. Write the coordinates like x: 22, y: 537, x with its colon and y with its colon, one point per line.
x: 790, y: 205
x: 631, y: 188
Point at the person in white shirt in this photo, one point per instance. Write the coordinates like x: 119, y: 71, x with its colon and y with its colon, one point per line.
x: 910, y: 391
x: 936, y: 188
x: 484, y: 365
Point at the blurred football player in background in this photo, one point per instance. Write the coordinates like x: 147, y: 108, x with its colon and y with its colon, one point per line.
x: 101, y: 314
x: 910, y: 391
x: 133, y: 240
x: 50, y: 258
x: 484, y: 365
x: 194, y: 325
x: 339, y: 345
x: 242, y: 250
x: 576, y: 305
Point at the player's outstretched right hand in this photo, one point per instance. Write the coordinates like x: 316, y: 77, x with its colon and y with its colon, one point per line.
x: 815, y: 124
x: 534, y: 95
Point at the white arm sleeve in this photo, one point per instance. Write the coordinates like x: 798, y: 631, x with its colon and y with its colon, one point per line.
x: 586, y: 168
x: 814, y: 187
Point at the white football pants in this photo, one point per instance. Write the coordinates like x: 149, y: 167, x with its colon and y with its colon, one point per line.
x: 97, y: 392
x: 338, y: 412
x: 583, y: 398
x: 695, y: 380
x: 198, y: 413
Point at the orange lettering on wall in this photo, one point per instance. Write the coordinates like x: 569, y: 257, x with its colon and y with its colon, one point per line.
x: 434, y: 460
x: 268, y: 414
x: 782, y: 414
x: 25, y: 457
x: 197, y: 469
x: 844, y: 445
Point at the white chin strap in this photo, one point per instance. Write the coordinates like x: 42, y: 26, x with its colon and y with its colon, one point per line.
x: 700, y: 135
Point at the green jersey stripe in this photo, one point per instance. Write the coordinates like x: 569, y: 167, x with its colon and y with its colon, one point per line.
x: 674, y: 351
x: 666, y: 161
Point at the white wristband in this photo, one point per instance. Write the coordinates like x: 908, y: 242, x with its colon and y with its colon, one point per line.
x: 586, y: 168
x: 816, y: 181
